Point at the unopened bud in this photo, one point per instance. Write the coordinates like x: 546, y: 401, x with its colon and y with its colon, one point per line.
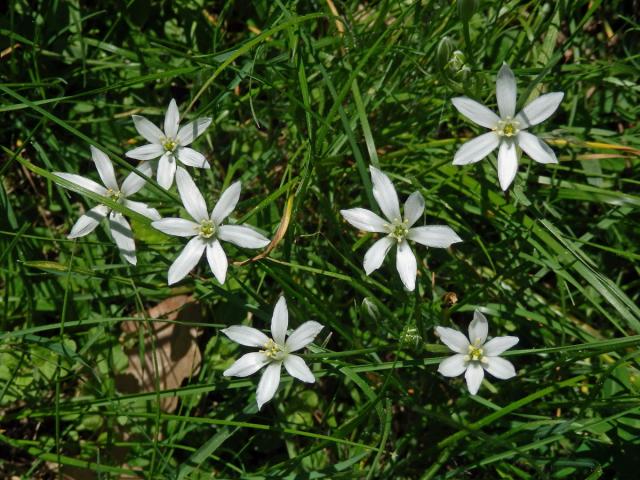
x: 467, y: 8
x: 370, y: 309
x: 443, y: 52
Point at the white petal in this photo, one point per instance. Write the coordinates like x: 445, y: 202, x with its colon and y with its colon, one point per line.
x: 186, y: 261
x: 453, y: 366
x: 134, y: 182
x: 376, y: 254
x: 178, y: 227
x: 540, y: 109
x: 407, y: 265
x: 147, y: 129
x: 105, y: 168
x: 190, y: 157
x: 192, y: 199
x: 303, y: 335
x: 413, y: 208
x: 364, y: 220
x: 536, y: 148
x: 247, y: 336
x: 227, y: 203
x: 476, y: 112
x: 507, y: 163
x: 498, y: 345
x: 142, y: 209
x: 217, y: 260
x: 453, y: 339
x: 171, y: 120
x: 82, y: 182
x: 476, y: 149
x: 499, y: 367
x: 506, y: 92
x: 88, y: 222
x: 166, y: 171
x: 268, y: 384
x: 280, y: 321
x: 146, y: 152
x: 193, y: 130
x: 242, y: 236
x: 474, y: 376
x: 478, y: 329
x: 246, y: 365
x: 385, y: 194
x: 123, y: 236
x: 298, y: 369
x: 438, y: 236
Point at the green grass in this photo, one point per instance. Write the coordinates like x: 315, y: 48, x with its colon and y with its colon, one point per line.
x: 303, y: 102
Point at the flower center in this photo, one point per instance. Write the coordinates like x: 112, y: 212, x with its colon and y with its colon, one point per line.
x: 475, y: 354
x: 114, y: 195
x: 398, y: 229
x: 507, y: 127
x: 273, y: 350
x: 207, y: 229
x: 169, y: 144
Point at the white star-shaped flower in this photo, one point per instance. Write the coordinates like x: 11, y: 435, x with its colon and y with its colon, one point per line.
x: 207, y: 230
x: 171, y: 145
x: 508, y: 131
x: 275, y: 352
x: 475, y: 355
x: 118, y: 225
x: 397, y: 229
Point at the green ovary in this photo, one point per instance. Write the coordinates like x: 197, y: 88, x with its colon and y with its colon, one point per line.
x: 273, y: 350
x: 169, y: 144
x: 207, y: 229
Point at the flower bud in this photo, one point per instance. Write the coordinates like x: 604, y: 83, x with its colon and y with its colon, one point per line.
x: 443, y: 52
x: 370, y: 309
x: 467, y: 8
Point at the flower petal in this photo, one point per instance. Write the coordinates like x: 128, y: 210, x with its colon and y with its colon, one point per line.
x: 146, y: 152
x: 476, y: 112
x: 474, y: 376
x: 178, y: 227
x: 453, y: 339
x: 123, y: 236
x: 385, y: 194
x: 147, y: 129
x: 171, y: 120
x: 413, y: 208
x: 438, y: 236
x: 453, y: 366
x: 190, y: 157
x: 166, y: 171
x: 506, y: 92
x: 476, y: 149
x: 268, y: 383
x: 88, y: 222
x: 540, y: 109
x: 246, y: 365
x: 364, y: 220
x: 536, y: 148
x: 376, y: 254
x: 134, y: 182
x: 478, y: 329
x: 407, y: 265
x: 186, y: 261
x: 105, y: 168
x: 217, y: 260
x: 298, y: 369
x: 242, y: 236
x: 227, y: 203
x: 280, y: 321
x: 142, y: 209
x: 193, y: 130
x: 247, y: 336
x: 82, y: 182
x: 507, y: 163
x: 192, y: 199
x: 303, y: 335
x: 499, y: 367
x: 498, y: 345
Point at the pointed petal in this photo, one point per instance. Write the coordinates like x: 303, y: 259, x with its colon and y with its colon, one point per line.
x: 123, y: 236
x: 146, y: 152
x: 413, y: 208
x: 147, y: 129
x: 105, y: 168
x: 247, y: 336
x: 376, y: 254
x: 453, y: 366
x: 193, y: 130
x: 186, y: 261
x: 134, y: 182
x: 82, y: 182
x: 476, y: 112
x: 268, y: 384
x: 498, y: 345
x: 506, y: 91
x: 536, y: 148
x: 507, y: 163
x: 385, y: 194
x: 474, y: 376
x: 438, y: 236
x: 453, y: 339
x: 171, y: 120
x: 217, y: 260
x: 280, y: 321
x: 364, y: 220
x: 242, y: 236
x: 178, y: 227
x: 166, y: 171
x: 298, y: 369
x: 407, y: 265
x: 540, y: 109
x: 478, y: 329
x: 227, y: 203
x: 192, y: 199
x: 499, y: 367
x: 246, y: 365
x: 303, y: 335
x: 142, y: 209
x: 88, y: 222
x: 476, y: 149
x: 190, y: 157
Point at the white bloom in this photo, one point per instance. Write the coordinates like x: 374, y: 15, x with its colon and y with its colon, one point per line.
x: 118, y: 225
x: 207, y: 230
x: 170, y: 145
x: 397, y: 229
x: 475, y: 355
x: 275, y: 352
x: 508, y: 130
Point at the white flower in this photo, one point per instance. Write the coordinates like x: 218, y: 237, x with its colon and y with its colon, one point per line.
x: 397, y: 229
x: 170, y: 145
x: 475, y: 355
x: 118, y: 225
x: 207, y: 230
x: 508, y: 131
x: 275, y: 352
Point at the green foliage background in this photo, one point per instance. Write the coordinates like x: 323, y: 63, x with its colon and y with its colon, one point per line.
x: 302, y: 103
